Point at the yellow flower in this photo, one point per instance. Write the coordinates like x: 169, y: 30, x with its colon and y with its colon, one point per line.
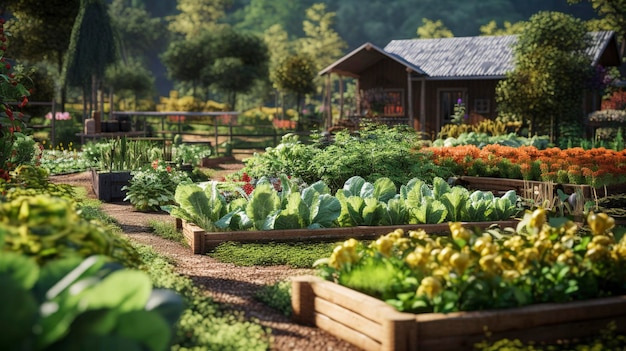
x: 384, y: 245
x: 600, y: 223
x: 460, y: 261
x: 429, y: 286
x: 458, y: 232
x: 538, y: 218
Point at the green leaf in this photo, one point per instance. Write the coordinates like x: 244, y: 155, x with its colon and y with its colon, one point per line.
x: 22, y: 269
x: 384, y: 189
x: 147, y: 328
x: 263, y: 202
x: 326, y: 212
x: 396, y: 213
x: 124, y: 290
x: 19, y: 313
x: 455, y: 201
x: 440, y: 187
x: 372, y: 213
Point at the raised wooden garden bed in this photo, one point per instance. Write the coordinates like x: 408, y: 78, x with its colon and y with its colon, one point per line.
x: 371, y: 324
x: 108, y: 185
x: 529, y: 188
x: 201, y: 241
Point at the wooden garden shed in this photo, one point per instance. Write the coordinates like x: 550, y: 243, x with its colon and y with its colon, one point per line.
x: 418, y: 81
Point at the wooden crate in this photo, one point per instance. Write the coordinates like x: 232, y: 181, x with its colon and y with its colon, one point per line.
x: 201, y: 241
x: 373, y: 325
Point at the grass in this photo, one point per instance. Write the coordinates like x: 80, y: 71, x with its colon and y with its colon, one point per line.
x: 167, y: 231
x: 296, y: 255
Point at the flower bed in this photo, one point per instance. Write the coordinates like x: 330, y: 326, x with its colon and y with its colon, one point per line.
x: 339, y: 311
x: 201, y: 241
x: 596, y: 167
x: 540, y: 283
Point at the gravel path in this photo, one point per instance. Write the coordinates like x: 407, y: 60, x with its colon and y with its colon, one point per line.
x: 225, y: 283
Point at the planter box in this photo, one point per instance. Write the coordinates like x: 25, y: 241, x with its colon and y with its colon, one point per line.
x: 201, y: 241
x: 530, y: 189
x: 371, y: 324
x: 108, y: 185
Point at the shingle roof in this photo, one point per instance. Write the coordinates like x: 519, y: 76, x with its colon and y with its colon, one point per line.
x: 488, y: 57
x: 457, y: 57
x: 471, y: 57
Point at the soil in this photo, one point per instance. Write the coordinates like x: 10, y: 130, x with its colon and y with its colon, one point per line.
x: 225, y: 283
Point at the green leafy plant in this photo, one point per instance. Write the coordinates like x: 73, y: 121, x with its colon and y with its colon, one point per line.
x: 49, y: 228
x: 151, y: 188
x: 83, y: 303
x: 12, y: 123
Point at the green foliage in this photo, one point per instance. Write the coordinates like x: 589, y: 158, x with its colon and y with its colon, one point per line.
x: 121, y: 154
x: 433, y: 29
x: 82, y: 303
x: 91, y: 46
x: 294, y: 254
x: 29, y: 180
x: 277, y: 296
x: 167, y: 231
x: 49, y: 228
x: 204, y: 325
x: 482, y: 139
x: 151, y: 188
x: 551, y: 68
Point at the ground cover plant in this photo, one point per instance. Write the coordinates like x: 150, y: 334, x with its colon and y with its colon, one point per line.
x: 48, y: 244
x: 295, y: 254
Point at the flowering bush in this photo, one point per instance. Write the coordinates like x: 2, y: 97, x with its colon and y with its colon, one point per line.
x: 11, y: 123
x: 471, y: 270
x: 59, y: 116
x: 596, y: 167
x: 608, y: 116
x: 153, y: 187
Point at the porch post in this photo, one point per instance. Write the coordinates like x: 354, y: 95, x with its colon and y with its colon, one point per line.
x: 341, y: 98
x: 410, y: 97
x: 329, y: 110
x: 423, y: 105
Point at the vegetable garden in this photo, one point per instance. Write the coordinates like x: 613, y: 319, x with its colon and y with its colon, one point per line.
x: 378, y: 177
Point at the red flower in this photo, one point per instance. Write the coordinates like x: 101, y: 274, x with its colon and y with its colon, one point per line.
x: 248, y: 188
x: 245, y: 178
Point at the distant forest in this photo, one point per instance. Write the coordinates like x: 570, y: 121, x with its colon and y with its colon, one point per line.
x: 379, y: 21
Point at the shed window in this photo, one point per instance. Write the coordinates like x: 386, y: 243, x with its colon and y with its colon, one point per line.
x: 386, y: 102
x: 481, y: 105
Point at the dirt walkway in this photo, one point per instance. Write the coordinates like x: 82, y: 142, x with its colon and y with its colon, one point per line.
x: 226, y: 283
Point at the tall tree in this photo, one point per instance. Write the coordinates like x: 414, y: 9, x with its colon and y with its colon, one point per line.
x: 321, y: 42
x: 198, y: 16
x: 136, y: 30
x: 509, y: 28
x: 433, y: 29
x: 295, y: 74
x: 241, y: 60
x: 41, y: 30
x: 546, y: 87
x: 613, y: 13
x: 190, y: 61
x: 91, y: 50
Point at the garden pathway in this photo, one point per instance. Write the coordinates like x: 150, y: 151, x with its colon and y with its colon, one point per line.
x: 224, y: 282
